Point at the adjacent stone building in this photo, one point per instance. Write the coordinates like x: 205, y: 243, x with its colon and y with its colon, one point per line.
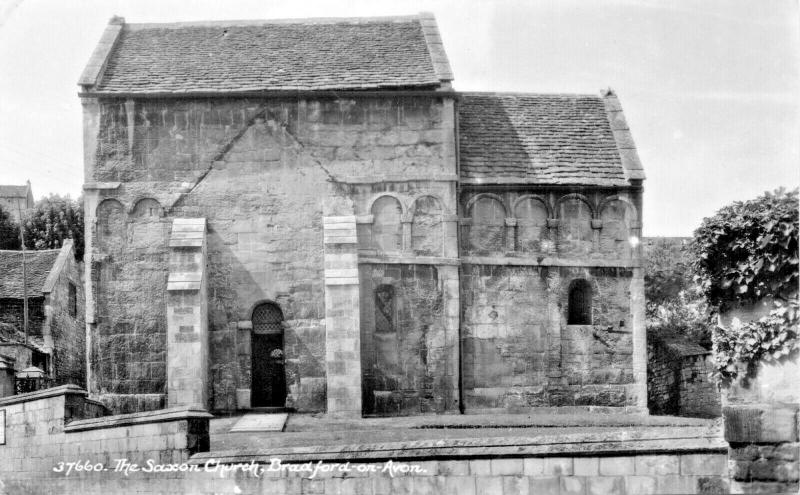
x: 16, y: 200
x: 306, y: 214
x: 55, y: 339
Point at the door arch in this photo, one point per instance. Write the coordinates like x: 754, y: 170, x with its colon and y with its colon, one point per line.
x: 268, y: 388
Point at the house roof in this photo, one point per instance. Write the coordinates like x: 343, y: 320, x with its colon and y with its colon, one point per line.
x: 545, y: 139
x: 37, y: 267
x: 13, y: 191
x: 241, y: 56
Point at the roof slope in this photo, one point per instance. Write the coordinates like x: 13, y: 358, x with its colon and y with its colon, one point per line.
x: 237, y: 56
x: 541, y: 139
x: 13, y: 191
x: 37, y: 266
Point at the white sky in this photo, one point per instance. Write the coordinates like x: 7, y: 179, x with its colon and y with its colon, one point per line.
x: 710, y: 89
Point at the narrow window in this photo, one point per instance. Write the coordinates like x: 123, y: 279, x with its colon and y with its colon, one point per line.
x: 72, y: 300
x: 580, y: 303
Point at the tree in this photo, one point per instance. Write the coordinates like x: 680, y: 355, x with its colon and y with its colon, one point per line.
x: 675, y: 307
x: 54, y: 219
x: 746, y: 252
x: 9, y: 231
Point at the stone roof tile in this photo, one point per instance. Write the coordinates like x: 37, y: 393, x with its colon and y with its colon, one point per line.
x: 538, y: 139
x: 13, y: 191
x: 302, y: 54
x: 37, y: 266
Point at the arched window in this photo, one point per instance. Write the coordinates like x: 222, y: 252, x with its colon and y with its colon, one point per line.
x: 580, y: 303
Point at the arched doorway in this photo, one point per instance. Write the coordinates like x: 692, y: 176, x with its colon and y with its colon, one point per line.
x: 267, y: 372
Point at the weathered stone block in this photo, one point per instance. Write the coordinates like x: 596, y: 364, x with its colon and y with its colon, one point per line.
x: 458, y: 485
x: 640, y: 484
x: 502, y: 467
x: 616, y: 466
x: 489, y: 484
x: 657, y: 465
x: 605, y: 485
x: 550, y: 484
x: 573, y: 485
x: 704, y: 464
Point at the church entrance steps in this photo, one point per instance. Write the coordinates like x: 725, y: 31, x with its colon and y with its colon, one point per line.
x: 255, y: 422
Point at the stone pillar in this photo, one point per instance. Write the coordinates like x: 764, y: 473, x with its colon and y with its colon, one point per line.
x: 406, y: 222
x: 342, y: 316
x: 639, y: 388
x: 597, y: 224
x: 187, y: 315
x: 450, y: 236
x: 130, y: 114
x: 554, y: 325
x: 511, y: 234
x: 448, y: 274
x: 552, y: 227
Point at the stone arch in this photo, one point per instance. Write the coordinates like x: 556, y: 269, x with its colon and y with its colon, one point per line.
x: 575, y: 197
x: 618, y: 218
x: 147, y: 209
x: 400, y: 199
x: 481, y: 196
x: 531, y: 213
x: 387, y: 229
x: 575, y: 216
x: 487, y: 231
x: 427, y: 235
x: 616, y: 197
x: 579, y: 302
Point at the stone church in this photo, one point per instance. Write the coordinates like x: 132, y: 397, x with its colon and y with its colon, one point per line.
x: 305, y: 214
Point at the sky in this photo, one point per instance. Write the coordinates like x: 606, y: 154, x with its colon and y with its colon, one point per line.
x: 711, y: 89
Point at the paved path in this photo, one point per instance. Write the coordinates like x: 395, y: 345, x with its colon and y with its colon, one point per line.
x: 304, y: 430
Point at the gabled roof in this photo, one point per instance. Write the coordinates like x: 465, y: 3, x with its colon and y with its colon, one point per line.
x: 14, y: 191
x: 38, y: 265
x: 240, y: 56
x: 545, y: 139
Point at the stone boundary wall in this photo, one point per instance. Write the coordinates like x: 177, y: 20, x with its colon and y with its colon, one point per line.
x: 48, y: 427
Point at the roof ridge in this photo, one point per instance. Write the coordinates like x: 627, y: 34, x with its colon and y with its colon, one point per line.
x: 2, y: 251
x: 263, y: 22
x: 521, y: 93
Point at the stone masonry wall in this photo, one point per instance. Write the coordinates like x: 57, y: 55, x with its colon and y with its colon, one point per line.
x: 519, y: 351
x: 12, y: 311
x: 257, y: 170
x: 680, y: 385
x: 45, y: 428
x: 67, y: 329
x: 405, y: 352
